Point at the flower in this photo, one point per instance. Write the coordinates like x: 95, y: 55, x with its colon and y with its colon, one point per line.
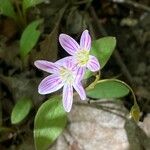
x: 64, y: 74
x: 80, y: 53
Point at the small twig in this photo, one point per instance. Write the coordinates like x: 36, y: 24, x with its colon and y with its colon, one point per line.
x: 134, y: 4
x: 116, y: 53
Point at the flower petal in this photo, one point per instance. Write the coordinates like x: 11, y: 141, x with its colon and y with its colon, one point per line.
x: 50, y: 84
x: 93, y: 64
x: 79, y: 73
x: 68, y: 43
x: 67, y: 62
x: 67, y: 97
x: 85, y: 41
x: 46, y: 66
x: 80, y: 90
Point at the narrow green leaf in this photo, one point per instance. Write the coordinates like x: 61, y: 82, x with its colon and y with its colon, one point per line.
x: 29, y: 37
x: 109, y: 88
x: 30, y: 3
x: 20, y: 110
x: 49, y: 122
x: 103, y: 48
x: 6, y: 8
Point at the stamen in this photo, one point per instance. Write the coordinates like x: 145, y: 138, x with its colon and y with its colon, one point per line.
x: 67, y: 75
x: 82, y: 57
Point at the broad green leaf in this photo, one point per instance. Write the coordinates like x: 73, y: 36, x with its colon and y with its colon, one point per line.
x: 6, y: 8
x: 29, y: 37
x: 109, y: 88
x: 103, y: 48
x: 20, y: 110
x: 49, y: 122
x: 30, y: 3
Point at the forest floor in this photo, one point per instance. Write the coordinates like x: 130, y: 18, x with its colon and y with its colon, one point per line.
x: 128, y: 21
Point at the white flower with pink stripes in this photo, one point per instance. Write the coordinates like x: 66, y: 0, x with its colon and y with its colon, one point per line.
x: 80, y: 53
x: 68, y: 72
x: 64, y: 74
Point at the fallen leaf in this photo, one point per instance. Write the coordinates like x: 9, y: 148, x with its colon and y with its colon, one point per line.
x: 8, y: 28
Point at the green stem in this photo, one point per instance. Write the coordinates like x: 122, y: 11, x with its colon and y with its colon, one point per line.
x: 97, y: 78
x: 135, y: 110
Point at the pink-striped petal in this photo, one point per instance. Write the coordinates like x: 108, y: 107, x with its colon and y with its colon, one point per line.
x: 80, y: 90
x: 67, y: 62
x: 79, y: 73
x: 93, y: 64
x: 68, y: 43
x: 50, y: 84
x: 46, y: 66
x: 62, y: 61
x: 85, y: 41
x: 67, y: 97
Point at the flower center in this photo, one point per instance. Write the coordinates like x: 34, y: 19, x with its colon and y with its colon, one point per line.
x: 82, y: 57
x: 67, y: 75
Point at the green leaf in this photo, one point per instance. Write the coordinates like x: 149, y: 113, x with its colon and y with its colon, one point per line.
x: 103, y: 48
x: 49, y: 122
x: 29, y: 37
x: 20, y: 110
x: 6, y: 8
x: 30, y: 3
x: 109, y: 88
